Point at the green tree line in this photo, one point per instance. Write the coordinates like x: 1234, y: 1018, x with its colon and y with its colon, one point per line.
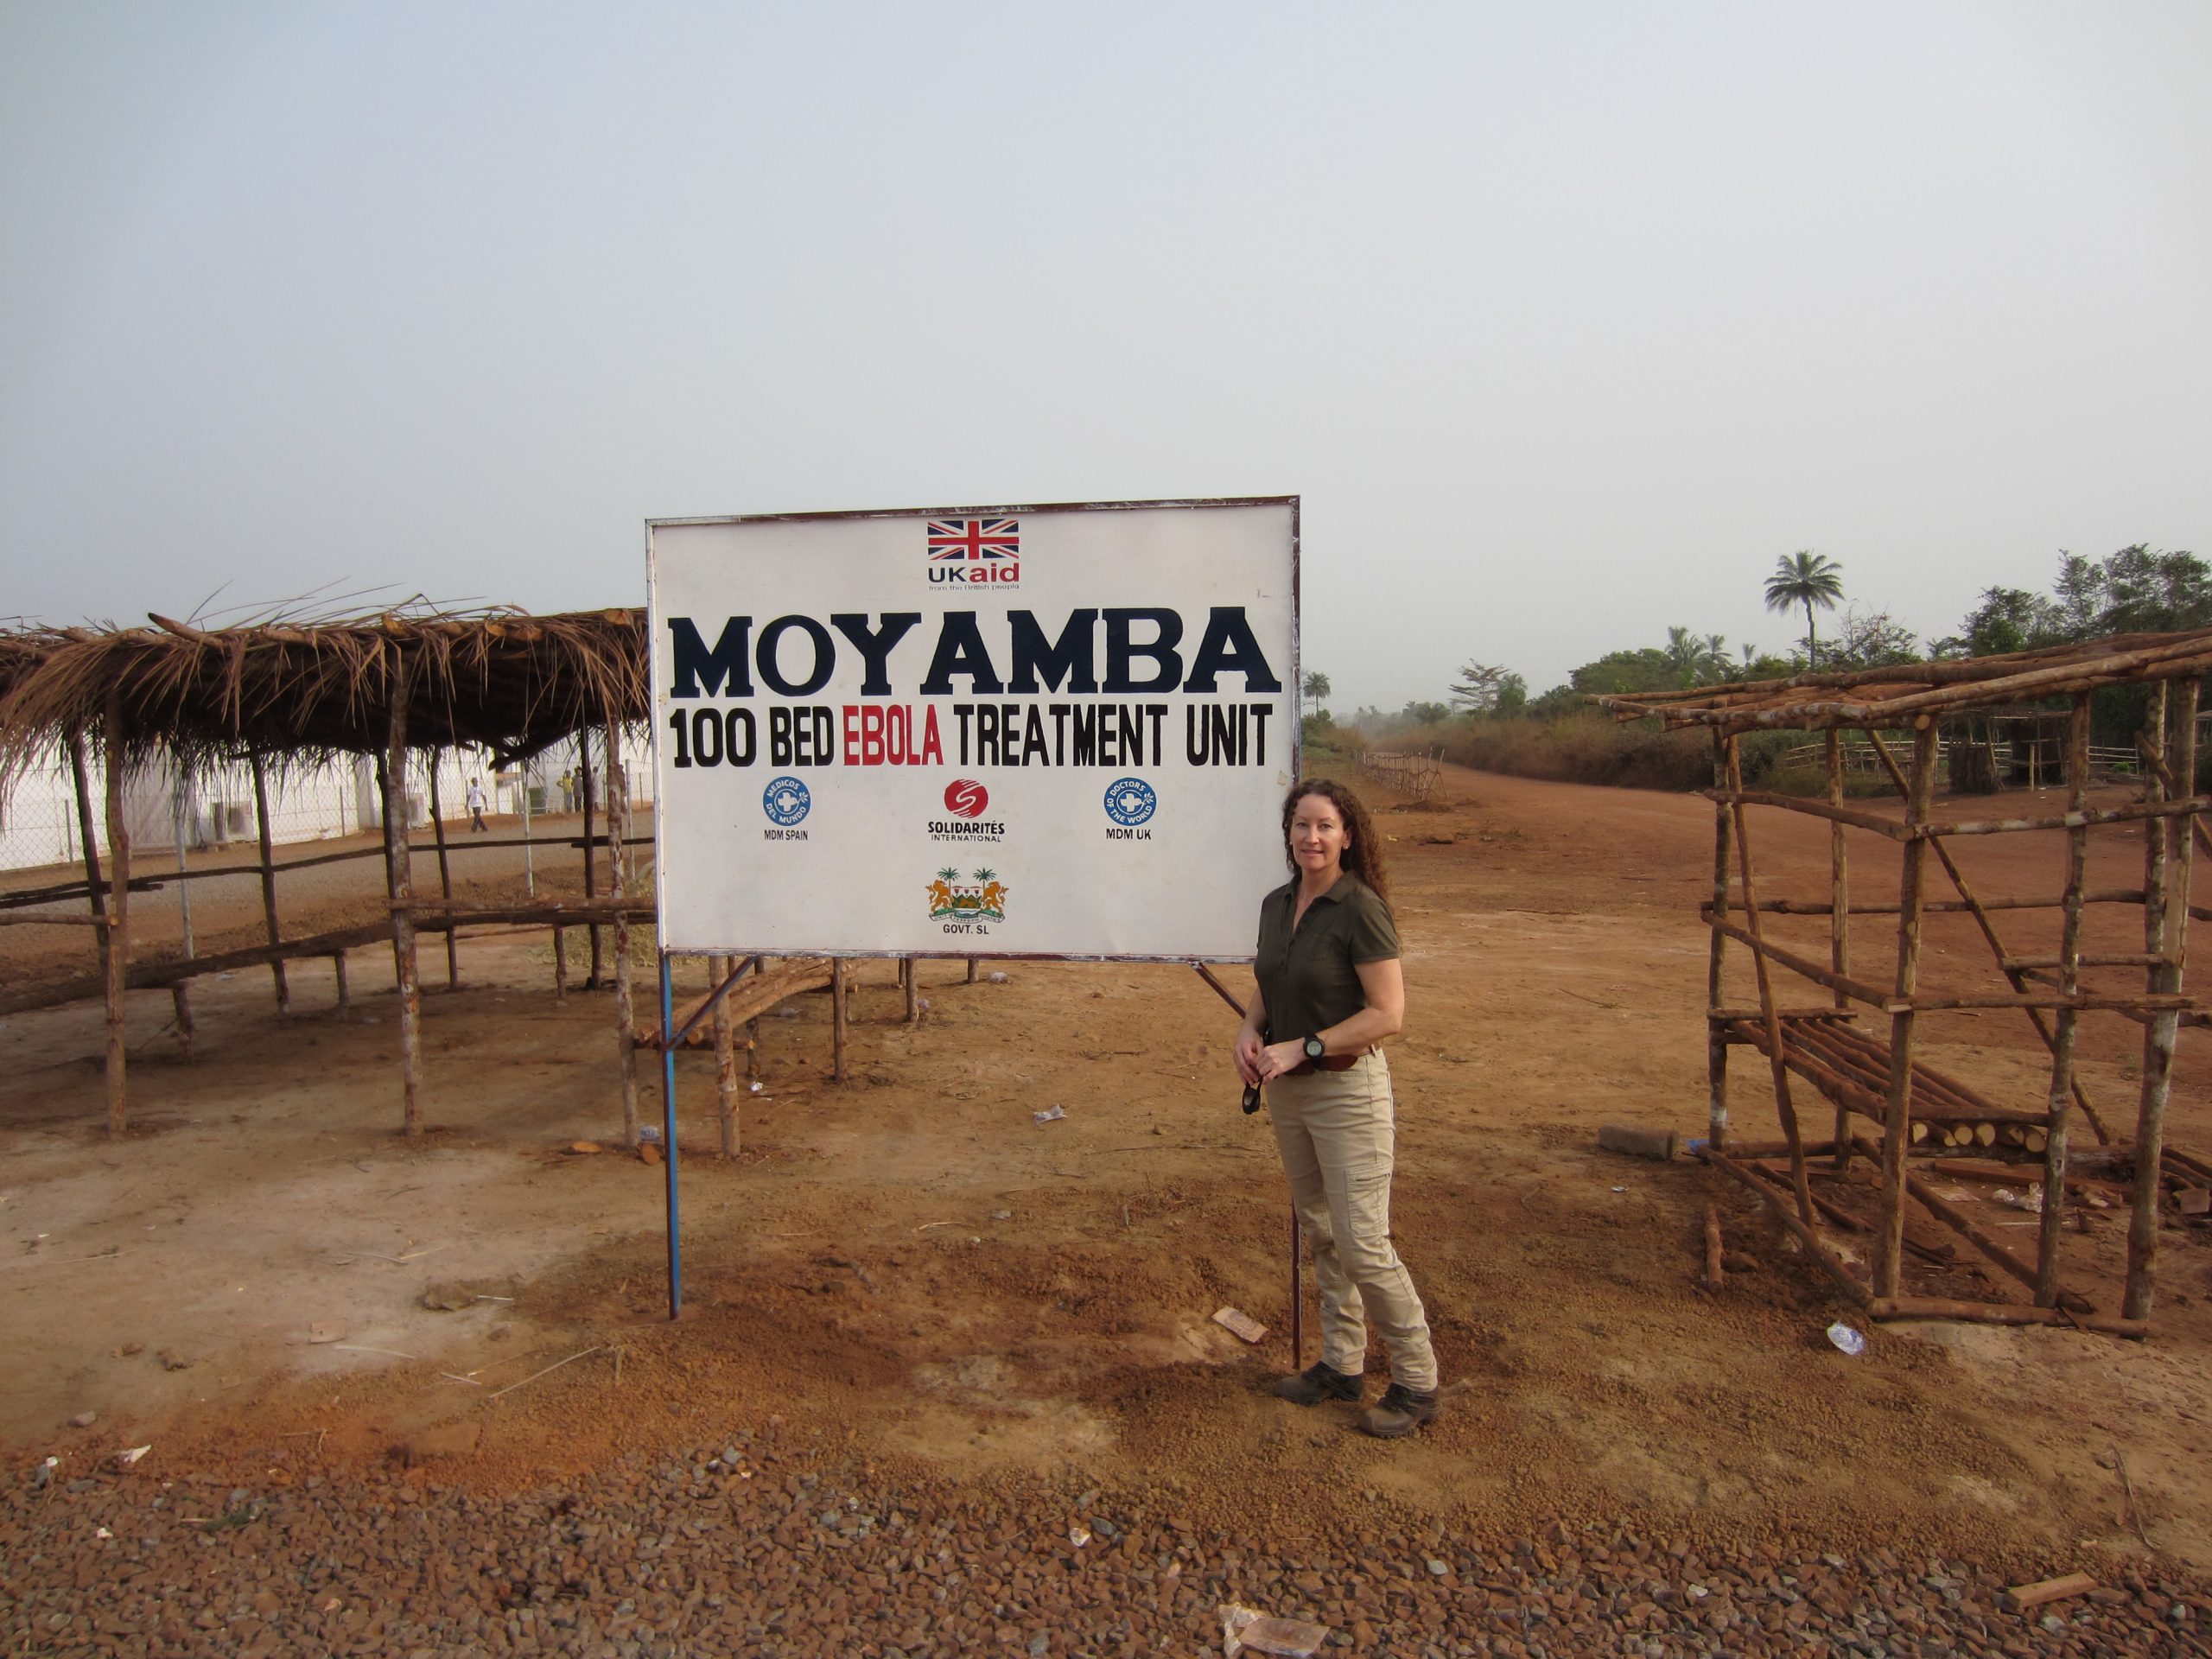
x: 2135, y: 590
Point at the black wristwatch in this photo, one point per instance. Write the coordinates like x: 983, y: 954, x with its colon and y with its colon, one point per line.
x: 1316, y: 1049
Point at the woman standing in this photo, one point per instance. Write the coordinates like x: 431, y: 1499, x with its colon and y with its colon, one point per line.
x: 1331, y: 989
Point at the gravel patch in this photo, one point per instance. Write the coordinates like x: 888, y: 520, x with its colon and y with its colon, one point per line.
x: 755, y: 1545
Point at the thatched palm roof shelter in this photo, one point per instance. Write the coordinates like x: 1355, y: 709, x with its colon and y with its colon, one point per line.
x: 514, y: 683
x: 279, y: 693
x: 1908, y: 1107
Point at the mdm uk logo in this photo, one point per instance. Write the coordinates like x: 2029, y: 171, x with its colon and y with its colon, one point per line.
x: 1130, y: 801
x: 982, y: 550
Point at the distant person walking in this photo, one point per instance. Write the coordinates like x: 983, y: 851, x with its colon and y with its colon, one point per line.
x: 476, y: 807
x: 567, y: 791
x: 1331, y: 988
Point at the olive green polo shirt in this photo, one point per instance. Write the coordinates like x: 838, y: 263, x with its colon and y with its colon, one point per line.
x: 1309, y: 981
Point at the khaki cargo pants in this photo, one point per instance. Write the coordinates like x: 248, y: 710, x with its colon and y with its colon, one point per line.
x: 1338, y: 1133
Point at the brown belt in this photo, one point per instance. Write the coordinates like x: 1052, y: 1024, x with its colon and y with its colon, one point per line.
x: 1328, y: 1062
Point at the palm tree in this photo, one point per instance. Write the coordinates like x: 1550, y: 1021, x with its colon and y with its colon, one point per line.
x: 1696, y: 658
x: 1681, y: 654
x: 1808, y: 579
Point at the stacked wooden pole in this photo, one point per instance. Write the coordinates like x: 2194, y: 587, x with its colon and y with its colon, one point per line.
x: 2065, y: 1087
x: 1898, y: 1129
x: 595, y: 980
x: 399, y: 865
x: 117, y: 961
x: 2167, y: 846
x: 1716, y: 1044
x: 720, y: 969
x: 840, y: 1017
x: 618, y: 827
x: 1839, y: 914
x: 268, y: 877
x: 2013, y: 968
x: 445, y: 873
x: 1777, y: 1059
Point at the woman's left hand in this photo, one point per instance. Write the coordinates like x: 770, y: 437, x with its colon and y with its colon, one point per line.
x: 1277, y: 1059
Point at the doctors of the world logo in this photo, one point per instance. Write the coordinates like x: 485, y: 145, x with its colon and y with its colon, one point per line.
x: 785, y: 801
x: 1130, y: 801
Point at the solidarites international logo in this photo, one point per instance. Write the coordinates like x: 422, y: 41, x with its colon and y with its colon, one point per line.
x: 966, y: 800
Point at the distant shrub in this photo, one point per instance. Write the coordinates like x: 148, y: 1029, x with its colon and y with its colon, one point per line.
x: 1332, y: 750
x: 1594, y: 748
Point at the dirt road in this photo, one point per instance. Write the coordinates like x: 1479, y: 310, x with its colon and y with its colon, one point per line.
x: 922, y: 1286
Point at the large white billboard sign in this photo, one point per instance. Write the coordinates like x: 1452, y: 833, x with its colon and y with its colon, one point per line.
x: 1014, y: 731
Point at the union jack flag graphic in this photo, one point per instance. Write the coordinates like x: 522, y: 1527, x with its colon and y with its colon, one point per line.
x: 975, y: 538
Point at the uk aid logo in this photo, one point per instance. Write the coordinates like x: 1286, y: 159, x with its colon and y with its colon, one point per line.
x: 975, y: 551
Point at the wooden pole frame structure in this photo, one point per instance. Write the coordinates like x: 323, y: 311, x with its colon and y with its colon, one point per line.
x: 618, y: 827
x: 399, y: 865
x: 1903, y: 1106
x: 595, y: 980
x: 116, y: 963
x: 436, y: 760
x: 264, y: 837
x: 262, y: 696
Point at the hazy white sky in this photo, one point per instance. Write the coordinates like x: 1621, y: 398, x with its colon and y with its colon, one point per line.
x: 1565, y: 320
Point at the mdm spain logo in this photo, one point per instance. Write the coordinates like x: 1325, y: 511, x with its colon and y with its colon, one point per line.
x: 976, y: 551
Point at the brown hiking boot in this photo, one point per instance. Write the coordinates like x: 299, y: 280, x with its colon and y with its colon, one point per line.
x: 1317, y: 1382
x: 1398, y: 1413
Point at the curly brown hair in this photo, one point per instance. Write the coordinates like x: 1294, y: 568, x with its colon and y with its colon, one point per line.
x: 1362, y: 847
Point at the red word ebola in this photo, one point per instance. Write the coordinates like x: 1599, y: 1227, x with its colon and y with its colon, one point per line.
x: 885, y: 735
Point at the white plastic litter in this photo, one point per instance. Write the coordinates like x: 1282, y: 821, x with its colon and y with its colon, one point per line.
x: 1079, y: 1534
x: 130, y: 1455
x: 996, y: 978
x: 1051, y: 1114
x: 1850, y: 1341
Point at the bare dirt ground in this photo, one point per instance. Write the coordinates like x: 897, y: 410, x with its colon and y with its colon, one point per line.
x: 912, y: 1273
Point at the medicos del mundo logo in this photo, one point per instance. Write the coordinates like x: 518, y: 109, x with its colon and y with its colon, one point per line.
x: 785, y: 801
